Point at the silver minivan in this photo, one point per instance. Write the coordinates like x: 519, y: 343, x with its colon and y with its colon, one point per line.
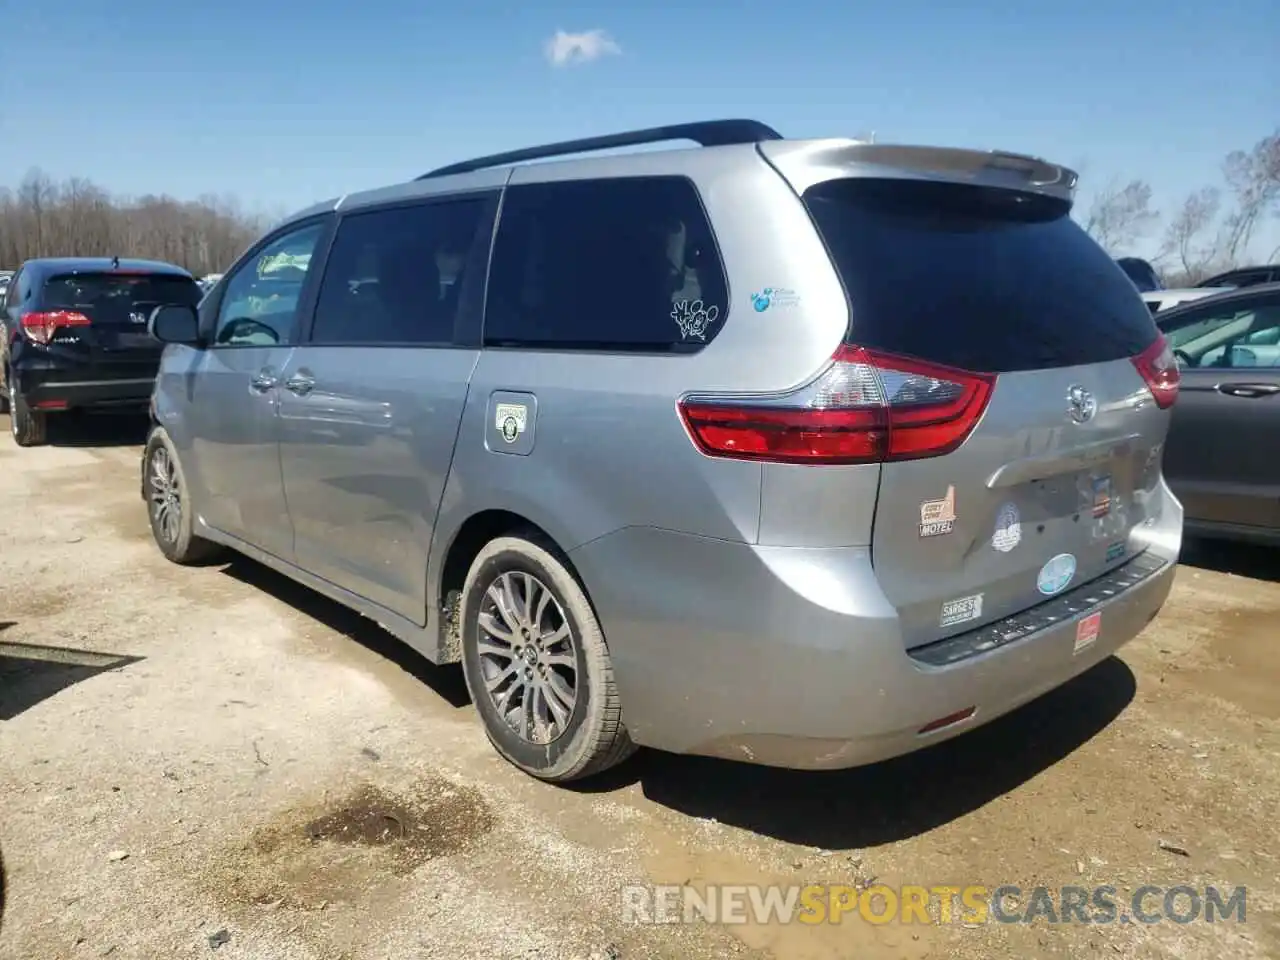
x: 802, y: 453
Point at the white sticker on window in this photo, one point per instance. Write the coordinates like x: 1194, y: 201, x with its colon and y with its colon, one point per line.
x: 693, y: 318
x: 961, y: 611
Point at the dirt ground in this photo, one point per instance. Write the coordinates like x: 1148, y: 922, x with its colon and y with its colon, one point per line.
x: 214, y: 759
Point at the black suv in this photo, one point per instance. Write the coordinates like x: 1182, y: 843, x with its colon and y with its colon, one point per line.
x: 75, y: 336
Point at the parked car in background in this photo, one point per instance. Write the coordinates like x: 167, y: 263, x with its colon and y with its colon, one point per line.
x: 1158, y: 300
x: 775, y: 451
x: 1221, y: 457
x: 1142, y: 274
x: 75, y: 336
x: 1244, y: 277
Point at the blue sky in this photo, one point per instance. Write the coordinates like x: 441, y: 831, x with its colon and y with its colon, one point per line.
x: 285, y: 103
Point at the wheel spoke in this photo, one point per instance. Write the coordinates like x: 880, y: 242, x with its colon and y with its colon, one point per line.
x: 526, y: 715
x: 498, y: 631
x: 544, y: 599
x: 559, y: 688
x: 561, y: 660
x: 500, y: 594
x: 498, y: 679
x: 556, y: 637
x: 560, y: 711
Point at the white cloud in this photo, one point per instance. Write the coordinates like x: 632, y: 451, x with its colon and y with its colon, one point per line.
x: 568, y: 48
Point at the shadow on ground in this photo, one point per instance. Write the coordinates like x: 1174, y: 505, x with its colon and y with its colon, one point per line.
x: 30, y: 673
x: 98, y: 429
x: 891, y: 801
x: 1242, y: 559
x: 445, y: 681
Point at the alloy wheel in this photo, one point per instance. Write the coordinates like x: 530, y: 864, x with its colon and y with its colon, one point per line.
x: 165, y: 498
x: 528, y: 657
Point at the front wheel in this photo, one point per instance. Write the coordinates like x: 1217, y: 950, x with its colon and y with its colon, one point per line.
x: 164, y: 487
x: 536, y: 663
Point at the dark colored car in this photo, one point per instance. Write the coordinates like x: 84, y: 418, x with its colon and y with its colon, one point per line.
x: 1220, y: 457
x: 75, y: 336
x: 1142, y: 274
x: 1244, y: 277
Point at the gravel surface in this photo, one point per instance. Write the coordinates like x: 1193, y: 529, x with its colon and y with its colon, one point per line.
x: 217, y: 760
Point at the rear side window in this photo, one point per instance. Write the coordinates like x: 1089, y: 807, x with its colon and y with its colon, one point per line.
x: 396, y: 275
x: 978, y: 278
x: 117, y: 297
x: 627, y: 264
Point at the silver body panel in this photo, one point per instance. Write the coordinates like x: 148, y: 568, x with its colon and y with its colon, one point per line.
x: 765, y: 612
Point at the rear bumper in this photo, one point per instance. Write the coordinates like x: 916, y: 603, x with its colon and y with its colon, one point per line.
x: 793, y: 657
x: 67, y: 391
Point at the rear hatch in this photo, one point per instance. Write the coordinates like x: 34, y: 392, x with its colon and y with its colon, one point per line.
x: 117, y: 305
x: 1064, y: 461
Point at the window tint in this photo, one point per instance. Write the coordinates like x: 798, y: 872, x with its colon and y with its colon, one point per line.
x: 117, y: 298
x: 1230, y: 336
x: 260, y: 303
x: 621, y: 264
x: 984, y: 279
x: 395, y: 275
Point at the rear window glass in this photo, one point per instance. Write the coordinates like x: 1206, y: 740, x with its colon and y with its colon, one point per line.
x: 622, y: 265
x: 107, y: 295
x: 979, y: 278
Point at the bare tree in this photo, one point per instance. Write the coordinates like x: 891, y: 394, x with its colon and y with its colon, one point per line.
x: 1120, y: 215
x: 1186, y: 238
x: 77, y: 218
x: 1253, y: 177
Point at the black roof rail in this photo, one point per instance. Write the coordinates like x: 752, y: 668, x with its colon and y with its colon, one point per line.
x: 706, y: 133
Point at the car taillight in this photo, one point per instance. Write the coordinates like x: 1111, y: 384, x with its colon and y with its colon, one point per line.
x: 1159, y: 368
x: 867, y: 407
x: 40, y: 326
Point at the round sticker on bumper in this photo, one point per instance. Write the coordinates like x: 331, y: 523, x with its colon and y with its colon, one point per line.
x: 1008, y: 528
x: 1056, y: 574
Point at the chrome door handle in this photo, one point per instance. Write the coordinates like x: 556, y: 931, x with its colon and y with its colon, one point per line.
x: 300, y: 384
x: 264, y: 380
x: 1249, y: 390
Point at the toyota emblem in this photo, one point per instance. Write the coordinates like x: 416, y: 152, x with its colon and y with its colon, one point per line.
x: 1081, y: 406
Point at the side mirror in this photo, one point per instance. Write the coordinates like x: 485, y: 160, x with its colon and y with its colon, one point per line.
x: 175, y: 323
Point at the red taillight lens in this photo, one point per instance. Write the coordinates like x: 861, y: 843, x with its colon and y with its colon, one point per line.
x: 39, y: 327
x: 1159, y: 368
x: 867, y: 407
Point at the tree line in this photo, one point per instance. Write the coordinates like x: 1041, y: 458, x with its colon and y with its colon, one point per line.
x: 1210, y: 231
x: 44, y: 218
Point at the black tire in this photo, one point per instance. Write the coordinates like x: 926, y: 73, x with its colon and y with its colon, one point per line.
x: 593, y: 738
x: 30, y: 428
x: 173, y: 533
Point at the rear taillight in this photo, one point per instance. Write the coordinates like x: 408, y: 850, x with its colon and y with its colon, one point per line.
x: 867, y: 407
x: 1159, y: 368
x: 39, y: 327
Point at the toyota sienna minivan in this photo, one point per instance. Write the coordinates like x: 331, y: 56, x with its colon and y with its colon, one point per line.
x: 806, y: 453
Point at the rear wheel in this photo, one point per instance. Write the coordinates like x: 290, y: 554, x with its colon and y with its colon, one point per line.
x: 164, y: 486
x: 536, y: 663
x: 30, y: 428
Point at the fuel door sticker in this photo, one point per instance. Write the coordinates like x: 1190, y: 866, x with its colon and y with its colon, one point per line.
x: 511, y: 422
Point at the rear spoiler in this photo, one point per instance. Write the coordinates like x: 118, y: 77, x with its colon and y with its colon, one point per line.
x: 804, y: 163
